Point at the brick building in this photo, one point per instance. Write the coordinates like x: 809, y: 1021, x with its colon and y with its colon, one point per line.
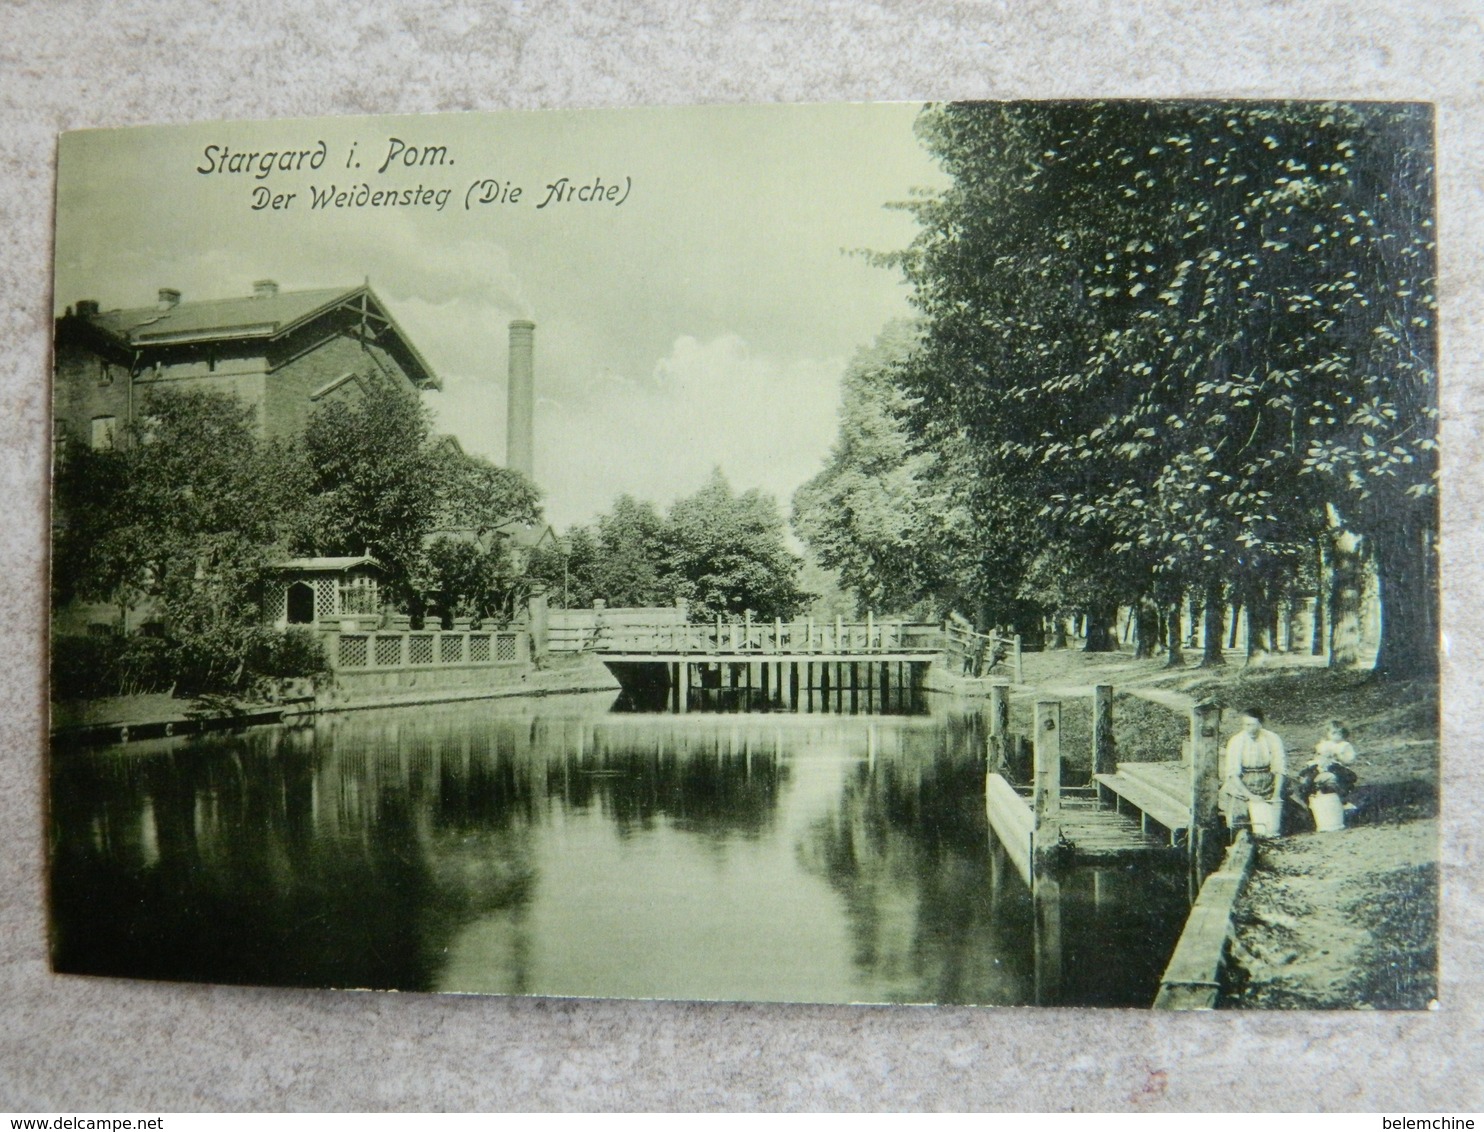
x: 279, y: 351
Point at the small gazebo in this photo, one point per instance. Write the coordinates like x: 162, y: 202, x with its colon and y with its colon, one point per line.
x: 322, y: 592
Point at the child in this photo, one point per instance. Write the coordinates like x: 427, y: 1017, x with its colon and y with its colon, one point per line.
x: 1328, y: 772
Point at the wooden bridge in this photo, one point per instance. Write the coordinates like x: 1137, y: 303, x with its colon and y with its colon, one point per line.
x: 785, y: 658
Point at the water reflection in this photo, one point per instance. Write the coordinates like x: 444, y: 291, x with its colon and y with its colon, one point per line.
x: 557, y: 847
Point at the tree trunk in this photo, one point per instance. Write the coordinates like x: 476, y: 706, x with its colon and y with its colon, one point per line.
x: 1176, y: 657
x: 1058, y: 632
x: 1211, y: 654
x: 1406, y: 569
x: 1259, y: 624
x: 1145, y: 616
x: 1102, y: 629
x: 1231, y: 642
x: 1316, y: 636
x: 1344, y: 601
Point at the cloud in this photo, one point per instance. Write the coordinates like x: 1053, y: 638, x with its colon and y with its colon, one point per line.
x: 766, y: 421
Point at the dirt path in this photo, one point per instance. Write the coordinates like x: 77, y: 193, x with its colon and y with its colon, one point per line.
x: 1344, y: 919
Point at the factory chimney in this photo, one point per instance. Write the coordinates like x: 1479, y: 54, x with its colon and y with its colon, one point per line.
x: 520, y: 441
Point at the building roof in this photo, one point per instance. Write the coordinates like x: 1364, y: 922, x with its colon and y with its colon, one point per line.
x: 264, y: 316
x: 325, y: 565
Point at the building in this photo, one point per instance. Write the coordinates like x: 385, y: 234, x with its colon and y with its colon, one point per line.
x: 282, y: 352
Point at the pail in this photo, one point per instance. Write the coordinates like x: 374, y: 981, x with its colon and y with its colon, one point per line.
x: 1329, y: 815
x: 1264, y: 817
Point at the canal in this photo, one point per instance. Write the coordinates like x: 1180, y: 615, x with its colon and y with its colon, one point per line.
x: 586, y: 845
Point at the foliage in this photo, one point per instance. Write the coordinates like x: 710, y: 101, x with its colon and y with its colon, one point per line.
x: 463, y: 579
x: 724, y: 553
x: 871, y: 513
x: 1182, y: 329
x: 476, y: 495
x: 371, y: 480
x: 110, y: 665
x: 193, y: 508
x: 295, y: 653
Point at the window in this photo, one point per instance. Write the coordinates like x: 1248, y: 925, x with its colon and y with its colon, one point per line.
x: 103, y: 433
x: 105, y: 372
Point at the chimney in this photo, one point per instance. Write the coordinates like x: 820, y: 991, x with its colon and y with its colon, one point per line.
x: 87, y: 308
x: 264, y: 288
x: 520, y: 441
x: 169, y: 297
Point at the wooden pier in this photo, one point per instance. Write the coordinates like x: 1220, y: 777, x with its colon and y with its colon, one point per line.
x: 1129, y: 810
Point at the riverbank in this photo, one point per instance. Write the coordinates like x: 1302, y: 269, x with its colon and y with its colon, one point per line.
x: 151, y: 713
x: 1332, y: 920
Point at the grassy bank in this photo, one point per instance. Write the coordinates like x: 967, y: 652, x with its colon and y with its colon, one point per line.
x: 1334, y: 920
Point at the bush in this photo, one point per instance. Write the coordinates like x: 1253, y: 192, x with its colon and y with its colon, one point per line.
x: 111, y: 665
x: 295, y: 653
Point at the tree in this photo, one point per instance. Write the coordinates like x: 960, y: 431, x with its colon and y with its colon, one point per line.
x: 185, y: 515
x: 476, y: 495
x: 868, y: 514
x: 372, y: 483
x: 726, y: 553
x: 1185, y: 329
x: 464, y: 579
x: 629, y: 565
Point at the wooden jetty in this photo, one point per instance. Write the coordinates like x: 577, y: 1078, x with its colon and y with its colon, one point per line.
x: 1130, y: 810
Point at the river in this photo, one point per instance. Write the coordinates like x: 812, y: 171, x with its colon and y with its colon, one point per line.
x: 573, y: 845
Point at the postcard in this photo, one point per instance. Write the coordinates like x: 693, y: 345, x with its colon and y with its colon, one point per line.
x: 977, y: 553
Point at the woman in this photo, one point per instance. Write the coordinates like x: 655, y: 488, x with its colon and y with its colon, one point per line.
x: 1252, y: 770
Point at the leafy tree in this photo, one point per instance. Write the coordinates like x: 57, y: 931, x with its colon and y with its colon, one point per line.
x: 870, y: 513
x: 186, y: 515
x: 567, y: 568
x: 1186, y: 330
x: 464, y: 579
x: 372, y: 481
x: 629, y: 566
x: 726, y: 553
x: 476, y: 495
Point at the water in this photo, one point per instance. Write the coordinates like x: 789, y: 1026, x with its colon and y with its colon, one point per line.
x: 559, y: 846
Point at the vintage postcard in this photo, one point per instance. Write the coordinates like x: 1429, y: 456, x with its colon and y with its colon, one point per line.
x: 958, y: 553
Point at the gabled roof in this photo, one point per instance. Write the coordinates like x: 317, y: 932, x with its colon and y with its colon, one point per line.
x: 265, y: 316
x: 325, y: 565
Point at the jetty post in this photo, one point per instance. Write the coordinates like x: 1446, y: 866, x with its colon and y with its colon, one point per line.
x: 1104, y: 753
x: 1046, y: 839
x: 999, y: 728
x: 1205, y: 840
x: 1046, y: 783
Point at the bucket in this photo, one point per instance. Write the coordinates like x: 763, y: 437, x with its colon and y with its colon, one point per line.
x: 1264, y: 817
x: 1329, y: 815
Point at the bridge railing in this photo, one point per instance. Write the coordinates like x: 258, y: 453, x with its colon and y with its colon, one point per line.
x: 981, y: 654
x: 774, y: 638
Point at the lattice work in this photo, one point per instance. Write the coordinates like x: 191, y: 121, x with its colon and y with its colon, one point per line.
x: 280, y: 600
x: 505, y: 646
x: 353, y: 652
x: 326, y: 600
x: 420, y: 649
x: 389, y: 650
x: 479, y: 647
x: 451, y: 648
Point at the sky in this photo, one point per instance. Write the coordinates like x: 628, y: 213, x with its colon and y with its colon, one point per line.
x: 702, y: 319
